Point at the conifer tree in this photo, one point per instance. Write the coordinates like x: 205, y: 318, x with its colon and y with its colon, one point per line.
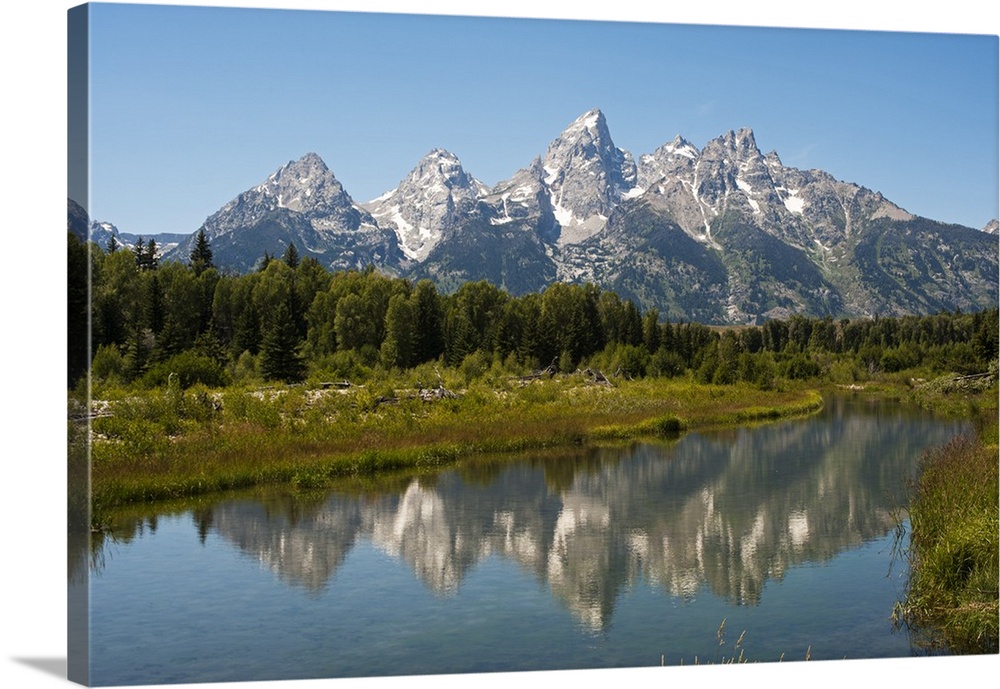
x: 279, y: 350
x: 429, y: 323
x: 145, y: 254
x: 651, y: 330
x: 291, y: 256
x: 138, y: 351
x: 139, y: 251
x: 246, y: 331
x: 149, y: 260
x: 201, y: 254
x: 153, y: 308
x: 264, y: 261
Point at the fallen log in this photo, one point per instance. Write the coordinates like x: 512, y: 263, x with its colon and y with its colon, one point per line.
x: 342, y: 384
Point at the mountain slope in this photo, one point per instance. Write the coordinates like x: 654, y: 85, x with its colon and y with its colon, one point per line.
x: 428, y: 203
x: 301, y: 203
x: 721, y: 234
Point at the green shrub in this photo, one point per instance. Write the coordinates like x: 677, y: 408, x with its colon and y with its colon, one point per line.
x: 666, y: 364
x: 246, y: 371
x: 342, y: 365
x: 800, y: 367
x: 199, y: 404
x: 187, y: 368
x: 108, y: 365
x: 254, y: 408
x: 474, y: 365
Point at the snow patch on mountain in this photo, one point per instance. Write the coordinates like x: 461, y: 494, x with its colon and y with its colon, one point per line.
x: 428, y: 203
x: 793, y: 202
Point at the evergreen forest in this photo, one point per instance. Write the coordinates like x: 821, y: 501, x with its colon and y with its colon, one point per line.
x: 136, y: 322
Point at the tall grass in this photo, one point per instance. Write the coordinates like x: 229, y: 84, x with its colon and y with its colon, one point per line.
x: 953, y: 586
x: 170, y: 443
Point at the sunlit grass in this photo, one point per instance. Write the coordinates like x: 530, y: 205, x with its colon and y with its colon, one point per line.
x: 166, y: 444
x: 953, y: 552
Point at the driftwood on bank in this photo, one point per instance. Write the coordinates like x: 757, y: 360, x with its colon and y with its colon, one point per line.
x: 438, y: 393
x: 548, y: 371
x: 341, y: 384
x: 596, y: 377
x: 423, y: 394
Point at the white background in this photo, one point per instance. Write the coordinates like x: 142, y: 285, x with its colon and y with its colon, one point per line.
x: 33, y: 184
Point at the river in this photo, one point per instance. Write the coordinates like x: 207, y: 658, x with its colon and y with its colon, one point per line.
x: 586, y: 557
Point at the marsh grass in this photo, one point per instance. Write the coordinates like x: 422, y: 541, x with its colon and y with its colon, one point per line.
x: 736, y: 650
x: 952, y: 592
x: 165, y: 444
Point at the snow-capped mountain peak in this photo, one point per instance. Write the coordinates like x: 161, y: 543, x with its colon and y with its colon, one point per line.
x: 302, y: 202
x: 427, y: 203
x: 303, y: 185
x: 586, y: 177
x: 722, y: 233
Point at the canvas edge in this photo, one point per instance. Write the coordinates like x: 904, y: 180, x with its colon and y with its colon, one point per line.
x: 78, y: 346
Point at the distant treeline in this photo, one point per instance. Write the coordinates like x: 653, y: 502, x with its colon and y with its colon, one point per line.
x: 293, y: 319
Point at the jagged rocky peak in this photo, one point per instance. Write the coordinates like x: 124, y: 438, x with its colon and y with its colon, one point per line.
x: 744, y: 142
x: 668, y: 160
x: 436, y: 195
x: 304, y: 184
x: 992, y: 227
x: 587, y: 175
x: 733, y: 163
x: 524, y: 198
x: 302, y: 203
x: 733, y: 147
x: 584, y: 143
x: 438, y: 174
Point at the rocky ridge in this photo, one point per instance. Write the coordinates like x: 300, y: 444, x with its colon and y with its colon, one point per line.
x: 724, y: 234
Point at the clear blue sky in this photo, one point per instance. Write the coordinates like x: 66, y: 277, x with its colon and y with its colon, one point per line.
x: 192, y: 106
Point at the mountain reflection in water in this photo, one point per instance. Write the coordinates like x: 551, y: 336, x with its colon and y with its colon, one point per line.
x: 727, y: 511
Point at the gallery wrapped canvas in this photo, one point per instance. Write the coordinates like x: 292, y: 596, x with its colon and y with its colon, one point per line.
x: 434, y: 345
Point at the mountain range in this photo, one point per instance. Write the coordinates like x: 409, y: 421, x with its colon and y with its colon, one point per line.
x: 721, y: 234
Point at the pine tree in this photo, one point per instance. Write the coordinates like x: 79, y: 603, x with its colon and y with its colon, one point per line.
x: 138, y: 351
x: 651, y: 330
x: 291, y: 256
x: 279, y: 350
x: 149, y: 258
x: 139, y: 251
x: 429, y: 326
x: 145, y: 254
x: 201, y: 254
x: 153, y: 306
x: 246, y: 331
x: 264, y: 261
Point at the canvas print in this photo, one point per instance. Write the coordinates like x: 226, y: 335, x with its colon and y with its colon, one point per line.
x: 407, y: 345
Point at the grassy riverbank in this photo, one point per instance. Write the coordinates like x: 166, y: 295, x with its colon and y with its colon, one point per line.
x: 170, y: 443
x: 952, y: 591
x: 953, y: 552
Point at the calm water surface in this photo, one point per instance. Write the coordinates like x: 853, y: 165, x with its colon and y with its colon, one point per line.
x: 583, y: 558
